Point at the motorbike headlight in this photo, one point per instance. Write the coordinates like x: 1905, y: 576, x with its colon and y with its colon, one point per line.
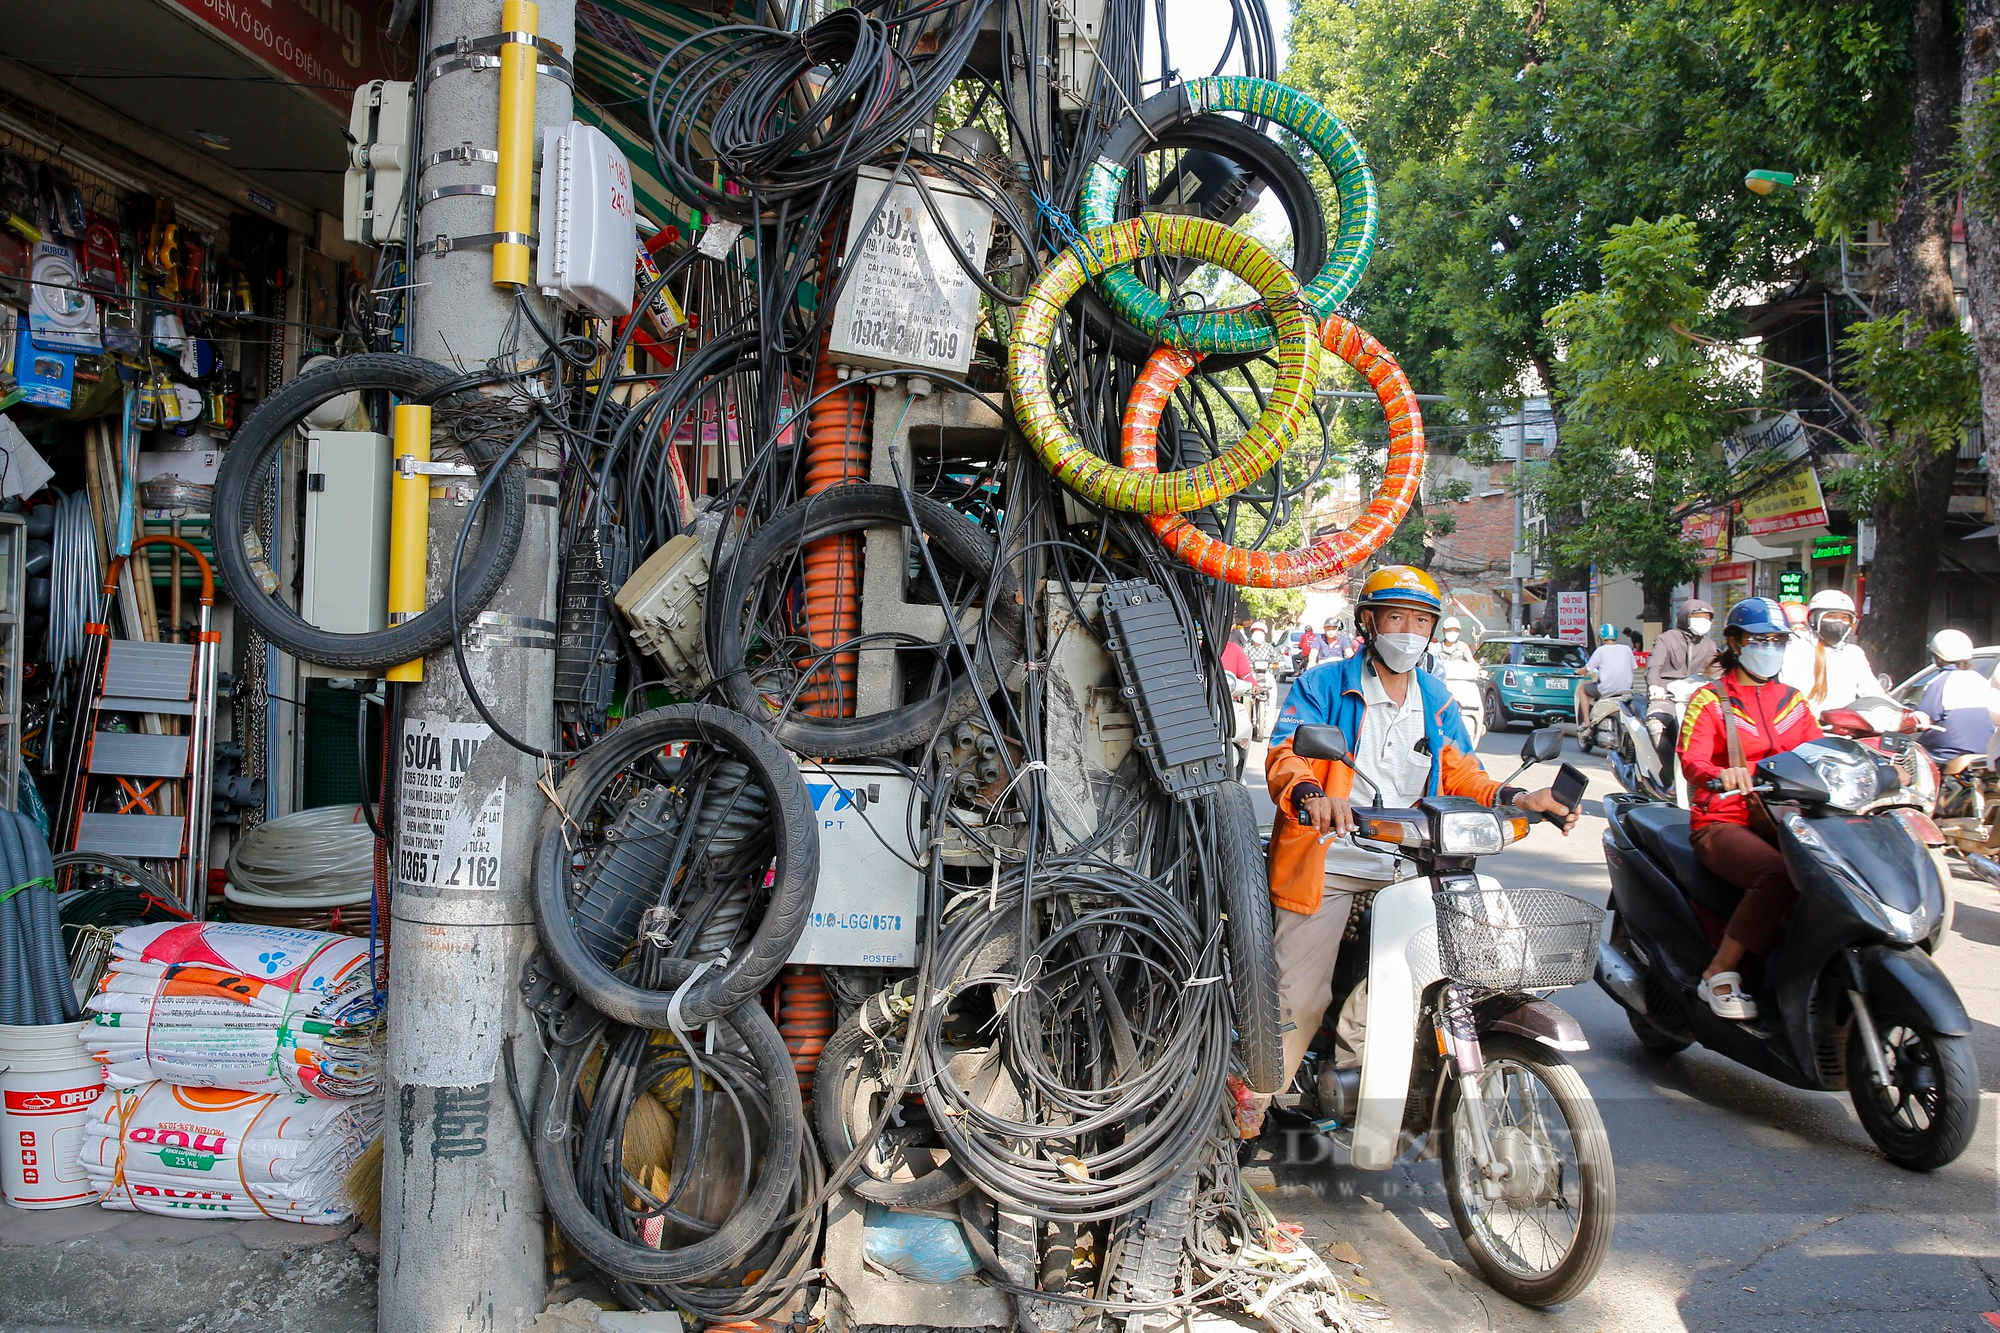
x: 1851, y: 780
x: 1469, y: 833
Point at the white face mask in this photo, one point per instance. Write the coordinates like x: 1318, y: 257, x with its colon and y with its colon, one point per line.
x: 1451, y: 636
x: 1256, y: 636
x: 1699, y: 626
x: 1762, y: 660
x: 1399, y: 652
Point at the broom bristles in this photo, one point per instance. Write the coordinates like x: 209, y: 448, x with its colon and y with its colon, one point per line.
x: 364, y: 1186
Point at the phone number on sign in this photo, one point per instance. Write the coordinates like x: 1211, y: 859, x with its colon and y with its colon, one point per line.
x: 855, y: 921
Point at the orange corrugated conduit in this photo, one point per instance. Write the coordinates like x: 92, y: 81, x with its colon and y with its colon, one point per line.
x: 836, y: 454
x: 805, y: 1019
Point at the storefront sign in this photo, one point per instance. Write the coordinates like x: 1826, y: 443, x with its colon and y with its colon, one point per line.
x: 1833, y: 548
x: 1573, y: 616
x: 1792, y: 504
x: 1710, y: 532
x: 327, y: 46
x: 1734, y: 572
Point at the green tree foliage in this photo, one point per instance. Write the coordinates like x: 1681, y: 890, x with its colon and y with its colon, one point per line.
x: 1648, y: 408
x: 1920, y: 390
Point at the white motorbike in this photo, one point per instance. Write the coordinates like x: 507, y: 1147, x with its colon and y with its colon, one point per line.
x: 1461, y: 1060
x: 1464, y: 680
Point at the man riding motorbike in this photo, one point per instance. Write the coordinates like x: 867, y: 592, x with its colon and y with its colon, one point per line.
x: 1684, y: 652
x: 1825, y: 664
x: 1607, y: 674
x: 1958, y: 701
x: 1452, y: 657
x: 1408, y: 740
x: 1747, y: 715
x: 1451, y: 645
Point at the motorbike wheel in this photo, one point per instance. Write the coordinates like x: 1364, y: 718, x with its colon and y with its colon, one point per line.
x: 1656, y: 1040
x: 1542, y: 1241
x: 1925, y: 1118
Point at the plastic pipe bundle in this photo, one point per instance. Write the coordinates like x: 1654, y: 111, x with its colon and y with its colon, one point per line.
x: 226, y: 1005
x: 216, y: 1152
x: 34, y: 973
x: 323, y: 857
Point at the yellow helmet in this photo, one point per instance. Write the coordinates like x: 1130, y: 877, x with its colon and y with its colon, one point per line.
x: 1401, y: 585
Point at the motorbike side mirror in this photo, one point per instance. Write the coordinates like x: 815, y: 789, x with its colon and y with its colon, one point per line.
x: 1317, y: 740
x: 1542, y: 745
x: 1984, y: 867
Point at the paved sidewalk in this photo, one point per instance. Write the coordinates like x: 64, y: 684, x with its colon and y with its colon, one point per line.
x: 92, y: 1268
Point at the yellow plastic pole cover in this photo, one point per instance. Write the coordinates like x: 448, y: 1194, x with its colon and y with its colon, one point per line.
x: 513, y: 202
x: 409, y: 526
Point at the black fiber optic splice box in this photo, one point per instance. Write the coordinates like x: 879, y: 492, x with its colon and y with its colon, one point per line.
x: 1167, y: 688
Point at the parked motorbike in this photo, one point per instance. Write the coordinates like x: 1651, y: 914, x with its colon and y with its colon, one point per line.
x: 1460, y: 1060
x: 1849, y: 999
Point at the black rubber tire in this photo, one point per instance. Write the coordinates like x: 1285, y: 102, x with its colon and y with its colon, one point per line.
x: 1146, y: 1247
x: 1247, y: 934
x: 745, y: 1229
x: 1597, y: 1190
x: 1654, y: 1039
x: 838, y: 1104
x: 719, y: 991
x: 1280, y: 172
x: 855, y: 508
x: 1496, y: 716
x: 248, y: 461
x: 1957, y: 1113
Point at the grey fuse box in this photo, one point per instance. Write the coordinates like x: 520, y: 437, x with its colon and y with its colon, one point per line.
x: 344, y: 560
x: 907, y: 303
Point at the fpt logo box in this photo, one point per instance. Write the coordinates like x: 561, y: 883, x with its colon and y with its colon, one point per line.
x: 871, y: 885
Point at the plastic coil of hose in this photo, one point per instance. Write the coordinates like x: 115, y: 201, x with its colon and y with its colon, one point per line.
x: 1260, y: 157
x: 1287, y: 405
x: 724, y: 811
x: 34, y: 971
x: 249, y: 468
x: 1247, y: 330
x: 1327, y: 555
x: 757, y: 584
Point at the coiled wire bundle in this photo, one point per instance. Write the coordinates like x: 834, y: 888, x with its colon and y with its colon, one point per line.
x: 308, y: 870
x: 74, y: 578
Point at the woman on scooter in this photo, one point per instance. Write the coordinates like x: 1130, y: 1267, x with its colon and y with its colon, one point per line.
x: 1766, y: 717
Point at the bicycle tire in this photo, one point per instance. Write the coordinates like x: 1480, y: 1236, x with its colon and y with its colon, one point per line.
x: 852, y: 508
x: 834, y: 1111
x: 241, y: 477
x: 718, y: 990
x: 746, y: 1226
x: 1247, y: 934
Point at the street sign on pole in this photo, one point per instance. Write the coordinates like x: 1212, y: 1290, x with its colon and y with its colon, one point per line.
x: 1573, y: 616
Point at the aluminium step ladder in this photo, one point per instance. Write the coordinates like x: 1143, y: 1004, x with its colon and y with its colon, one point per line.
x: 141, y: 796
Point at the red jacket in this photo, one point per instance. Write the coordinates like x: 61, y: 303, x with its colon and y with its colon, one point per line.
x: 1770, y: 719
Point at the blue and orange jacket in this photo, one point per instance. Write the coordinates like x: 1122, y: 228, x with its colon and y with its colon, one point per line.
x: 1331, y: 694
x: 1770, y: 719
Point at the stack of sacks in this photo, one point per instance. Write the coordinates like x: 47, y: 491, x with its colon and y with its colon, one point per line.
x: 209, y: 1152
x: 227, y: 1005
x: 245, y: 1064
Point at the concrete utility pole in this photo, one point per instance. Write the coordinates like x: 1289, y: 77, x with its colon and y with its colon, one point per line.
x: 462, y: 1245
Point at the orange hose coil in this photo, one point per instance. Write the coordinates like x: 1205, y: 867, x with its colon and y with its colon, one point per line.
x: 836, y: 454
x: 805, y: 1019
x: 1336, y: 551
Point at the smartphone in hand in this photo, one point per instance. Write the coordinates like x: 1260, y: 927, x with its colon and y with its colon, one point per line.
x: 1568, y: 789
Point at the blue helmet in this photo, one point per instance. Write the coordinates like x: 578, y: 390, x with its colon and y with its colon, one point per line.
x: 1607, y: 631
x: 1757, y: 615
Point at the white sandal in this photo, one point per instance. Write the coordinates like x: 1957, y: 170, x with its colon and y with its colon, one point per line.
x: 1726, y: 996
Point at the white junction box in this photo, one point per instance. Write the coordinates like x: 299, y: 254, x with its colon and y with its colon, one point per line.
x: 381, y: 134
x: 589, y: 248
x: 871, y: 885
x: 907, y: 303
x: 344, y: 563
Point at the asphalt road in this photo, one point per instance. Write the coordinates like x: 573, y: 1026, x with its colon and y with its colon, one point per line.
x: 1743, y: 1204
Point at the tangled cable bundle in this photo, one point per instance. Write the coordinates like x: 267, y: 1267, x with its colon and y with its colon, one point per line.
x: 1113, y: 1038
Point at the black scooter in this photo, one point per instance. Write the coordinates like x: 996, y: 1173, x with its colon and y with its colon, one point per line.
x: 1849, y: 998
